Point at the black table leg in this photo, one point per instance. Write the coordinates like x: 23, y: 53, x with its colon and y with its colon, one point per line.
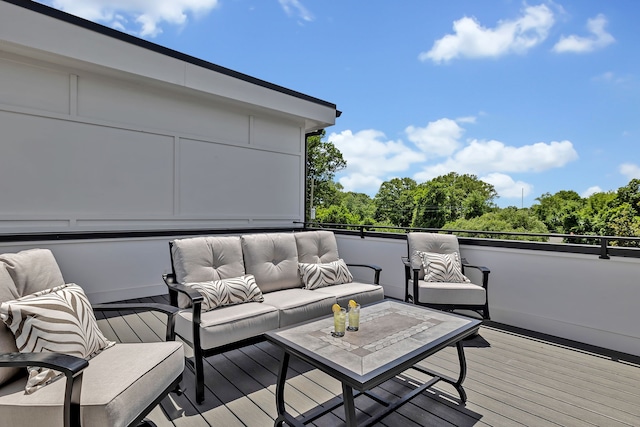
x: 282, y: 378
x: 463, y: 372
x: 349, y: 405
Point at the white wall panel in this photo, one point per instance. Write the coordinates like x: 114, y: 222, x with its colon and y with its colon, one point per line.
x: 147, y: 106
x: 218, y: 179
x: 277, y: 134
x: 49, y: 167
x: 25, y: 85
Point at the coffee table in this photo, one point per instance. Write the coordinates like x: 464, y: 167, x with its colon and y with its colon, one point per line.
x: 393, y: 337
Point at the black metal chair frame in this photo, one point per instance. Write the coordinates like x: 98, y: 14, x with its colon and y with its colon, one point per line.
x: 196, y: 364
x: 72, y: 367
x: 412, y: 274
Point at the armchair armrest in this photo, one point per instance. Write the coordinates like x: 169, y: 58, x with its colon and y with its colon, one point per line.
x: 375, y: 268
x: 169, y: 310
x: 484, y: 270
x: 411, y: 274
x: 70, y: 366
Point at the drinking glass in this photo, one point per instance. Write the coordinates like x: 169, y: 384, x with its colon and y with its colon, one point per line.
x: 339, y: 322
x: 354, y: 318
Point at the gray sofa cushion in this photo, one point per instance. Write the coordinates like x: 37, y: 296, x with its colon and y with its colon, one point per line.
x: 299, y: 305
x: 362, y: 293
x: 316, y: 246
x: 273, y: 259
x: 202, y: 259
x: 226, y: 325
x: 116, y: 387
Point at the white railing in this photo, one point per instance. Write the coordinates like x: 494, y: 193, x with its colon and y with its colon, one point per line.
x: 574, y: 296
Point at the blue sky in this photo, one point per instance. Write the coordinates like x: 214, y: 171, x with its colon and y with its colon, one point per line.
x: 532, y: 97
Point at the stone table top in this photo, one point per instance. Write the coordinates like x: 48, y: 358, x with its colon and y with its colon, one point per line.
x: 388, y: 331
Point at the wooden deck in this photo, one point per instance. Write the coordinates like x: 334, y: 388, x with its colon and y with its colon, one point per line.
x: 513, y: 379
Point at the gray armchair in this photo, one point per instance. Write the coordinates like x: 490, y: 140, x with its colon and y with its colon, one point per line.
x: 118, y: 386
x: 442, y: 285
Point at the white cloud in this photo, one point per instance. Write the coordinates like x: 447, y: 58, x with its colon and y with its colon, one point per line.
x: 368, y: 152
x: 294, y: 7
x: 493, y: 156
x: 360, y: 183
x: 599, y: 38
x: 371, y: 158
x: 439, y: 138
x: 630, y: 171
x: 471, y: 40
x: 148, y: 15
x: 506, y: 187
x: 590, y: 191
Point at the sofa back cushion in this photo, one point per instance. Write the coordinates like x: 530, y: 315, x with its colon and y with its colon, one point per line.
x: 316, y: 247
x: 273, y: 259
x: 203, y: 259
x: 430, y: 242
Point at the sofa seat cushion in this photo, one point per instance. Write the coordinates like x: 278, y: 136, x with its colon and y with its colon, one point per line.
x: 299, y: 305
x: 450, y: 293
x: 362, y: 293
x: 229, y: 324
x: 273, y: 259
x: 117, y: 386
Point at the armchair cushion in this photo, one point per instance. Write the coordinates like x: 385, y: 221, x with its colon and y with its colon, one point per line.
x: 32, y: 271
x: 7, y: 341
x: 316, y: 276
x: 442, y: 267
x: 116, y: 387
x: 56, y: 320
x: 232, y: 291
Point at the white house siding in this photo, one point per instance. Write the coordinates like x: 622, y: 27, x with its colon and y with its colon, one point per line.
x: 99, y: 134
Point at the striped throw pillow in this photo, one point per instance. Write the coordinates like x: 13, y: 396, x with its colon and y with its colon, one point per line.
x: 218, y: 293
x: 442, y: 267
x: 58, y: 320
x: 316, y: 276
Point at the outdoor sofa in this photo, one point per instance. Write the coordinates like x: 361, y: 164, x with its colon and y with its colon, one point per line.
x: 234, y: 288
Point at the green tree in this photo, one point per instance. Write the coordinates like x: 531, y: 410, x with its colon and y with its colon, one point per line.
x: 510, y: 219
x: 360, y: 205
x: 394, y: 202
x: 450, y: 197
x: 559, y: 211
x: 323, y: 161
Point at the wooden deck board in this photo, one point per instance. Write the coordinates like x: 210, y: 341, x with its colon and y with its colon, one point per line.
x: 513, y: 380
